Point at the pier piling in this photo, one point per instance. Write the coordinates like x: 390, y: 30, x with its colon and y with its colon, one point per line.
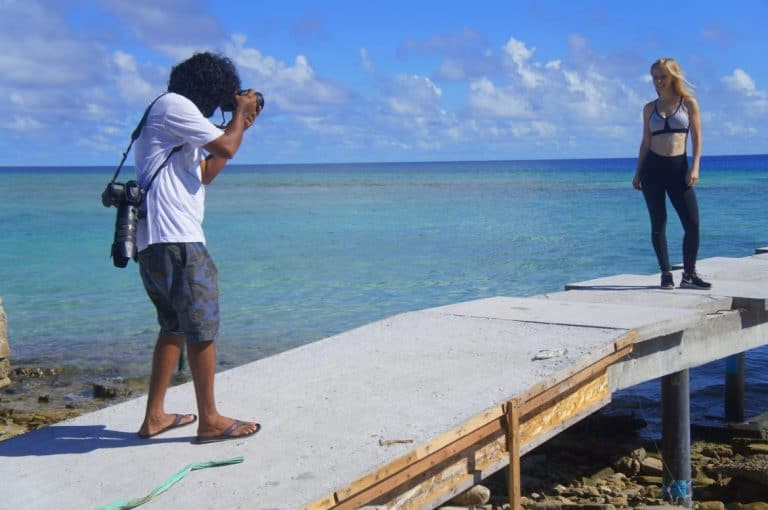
x: 734, y: 388
x: 676, y: 438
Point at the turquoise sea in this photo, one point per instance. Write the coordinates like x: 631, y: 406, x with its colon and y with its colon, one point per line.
x: 307, y: 251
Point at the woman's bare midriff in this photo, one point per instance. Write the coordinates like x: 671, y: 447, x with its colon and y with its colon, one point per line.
x: 669, y: 144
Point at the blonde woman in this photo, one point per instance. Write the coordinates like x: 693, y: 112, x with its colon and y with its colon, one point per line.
x: 663, y: 170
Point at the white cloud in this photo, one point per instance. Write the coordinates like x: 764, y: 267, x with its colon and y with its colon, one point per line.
x: 518, y: 51
x: 545, y: 129
x: 22, y: 125
x: 80, y: 73
x: 365, y: 60
x: 414, y: 96
x: 40, y: 50
x: 177, y: 28
x: 47, y: 70
x: 291, y: 88
x: 740, y: 82
x: 519, y: 54
x: 578, y: 44
x: 132, y: 86
x: 752, y: 100
x: 488, y: 100
x: 734, y: 129
x: 588, y: 100
x: 451, y: 70
x: 322, y: 126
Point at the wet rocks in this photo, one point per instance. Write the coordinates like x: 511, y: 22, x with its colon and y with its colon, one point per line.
x: 651, y: 466
x: 14, y: 422
x: 581, y: 471
x: 476, y: 496
x: 725, y: 477
x: 111, y: 388
x: 38, y: 396
x: 752, y: 469
x: 5, y: 370
x: 34, y: 372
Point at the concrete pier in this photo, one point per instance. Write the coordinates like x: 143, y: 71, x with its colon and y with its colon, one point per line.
x: 408, y: 411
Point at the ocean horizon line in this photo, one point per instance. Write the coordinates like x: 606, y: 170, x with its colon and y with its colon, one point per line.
x: 15, y: 168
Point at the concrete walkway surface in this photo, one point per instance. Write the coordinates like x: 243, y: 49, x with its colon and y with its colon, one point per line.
x: 337, y: 410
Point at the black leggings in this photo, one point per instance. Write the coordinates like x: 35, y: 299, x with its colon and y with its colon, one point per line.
x: 662, y: 176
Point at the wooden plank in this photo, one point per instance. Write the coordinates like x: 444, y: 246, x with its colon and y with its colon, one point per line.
x: 437, y: 487
x: 322, y: 504
x: 561, y: 409
x: 539, y: 413
x: 531, y: 402
x: 420, y: 453
x: 626, y: 340
x: 493, y: 447
x: 513, y: 447
x: 493, y: 453
x: 419, y: 467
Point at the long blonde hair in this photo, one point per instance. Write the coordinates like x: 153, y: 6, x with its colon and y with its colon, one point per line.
x: 678, y: 78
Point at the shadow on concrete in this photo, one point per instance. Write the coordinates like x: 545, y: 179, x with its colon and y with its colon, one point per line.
x: 67, y: 439
x: 659, y: 344
x: 611, y: 287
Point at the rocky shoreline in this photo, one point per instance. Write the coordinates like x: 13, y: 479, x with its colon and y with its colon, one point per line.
x: 38, y: 396
x: 601, y: 463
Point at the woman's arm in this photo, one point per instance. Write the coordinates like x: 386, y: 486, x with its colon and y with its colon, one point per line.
x: 645, y: 144
x: 695, y: 125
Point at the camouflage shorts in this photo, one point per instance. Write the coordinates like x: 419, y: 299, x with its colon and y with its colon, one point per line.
x: 183, y: 283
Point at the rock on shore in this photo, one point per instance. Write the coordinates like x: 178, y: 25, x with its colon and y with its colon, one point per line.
x: 38, y: 396
x: 5, y: 351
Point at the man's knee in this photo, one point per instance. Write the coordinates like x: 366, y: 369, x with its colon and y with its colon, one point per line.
x: 171, y: 339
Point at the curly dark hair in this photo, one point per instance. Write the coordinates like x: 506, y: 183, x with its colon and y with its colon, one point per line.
x: 207, y: 79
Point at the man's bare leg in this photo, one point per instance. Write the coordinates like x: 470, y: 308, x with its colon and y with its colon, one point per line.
x: 164, y: 362
x: 202, y: 363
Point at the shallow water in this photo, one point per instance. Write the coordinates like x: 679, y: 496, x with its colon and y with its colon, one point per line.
x: 307, y: 251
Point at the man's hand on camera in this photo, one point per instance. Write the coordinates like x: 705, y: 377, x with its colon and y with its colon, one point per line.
x: 247, y: 107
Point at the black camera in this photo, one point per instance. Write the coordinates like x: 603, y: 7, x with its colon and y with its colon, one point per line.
x: 127, y: 198
x: 229, y: 105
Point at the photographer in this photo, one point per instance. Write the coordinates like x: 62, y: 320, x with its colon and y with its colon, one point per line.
x: 178, y: 273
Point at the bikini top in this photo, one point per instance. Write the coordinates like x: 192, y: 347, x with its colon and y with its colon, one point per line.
x: 678, y: 122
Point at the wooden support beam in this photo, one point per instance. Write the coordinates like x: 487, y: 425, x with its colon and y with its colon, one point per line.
x: 503, y: 429
x: 558, y: 411
x: 532, y: 402
x: 513, y: 447
x: 421, y: 466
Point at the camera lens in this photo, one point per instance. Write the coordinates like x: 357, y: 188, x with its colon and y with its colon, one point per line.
x: 127, y: 198
x: 112, y: 194
x: 124, y: 245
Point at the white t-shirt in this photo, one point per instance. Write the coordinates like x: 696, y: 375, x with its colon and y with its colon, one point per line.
x: 175, y: 204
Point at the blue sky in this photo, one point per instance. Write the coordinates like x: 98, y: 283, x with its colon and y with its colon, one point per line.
x: 352, y: 81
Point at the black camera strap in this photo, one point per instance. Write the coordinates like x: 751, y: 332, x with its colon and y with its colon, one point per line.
x: 134, y: 136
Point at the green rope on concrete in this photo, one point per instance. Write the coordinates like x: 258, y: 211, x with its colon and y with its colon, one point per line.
x: 125, y: 504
